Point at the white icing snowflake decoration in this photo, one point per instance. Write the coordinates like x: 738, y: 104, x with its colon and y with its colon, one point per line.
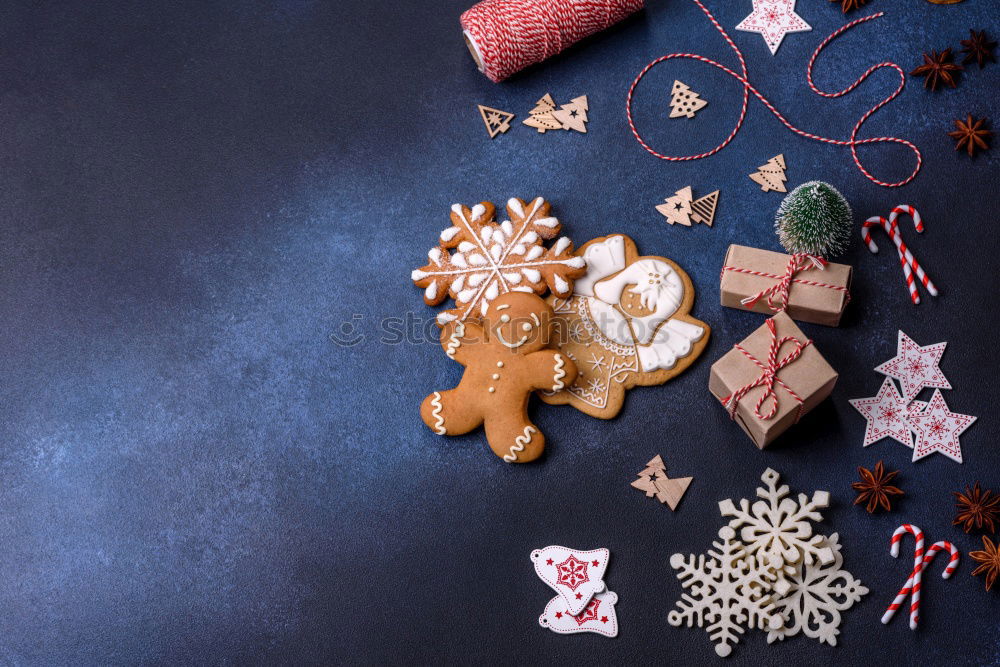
x: 490, y: 258
x: 729, y: 591
x: 779, y: 526
x: 815, y: 596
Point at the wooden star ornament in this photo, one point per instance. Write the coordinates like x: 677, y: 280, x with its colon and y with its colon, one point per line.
x: 971, y: 135
x: 937, y: 69
x: 874, y: 488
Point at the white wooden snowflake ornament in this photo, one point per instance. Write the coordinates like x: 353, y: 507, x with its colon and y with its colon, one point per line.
x: 814, y: 598
x: 779, y: 526
x: 490, y: 258
x: 727, y: 592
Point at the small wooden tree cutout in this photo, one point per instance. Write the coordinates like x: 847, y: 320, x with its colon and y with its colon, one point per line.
x: 771, y: 176
x: 703, y: 209
x: 541, y: 118
x: 684, y: 101
x: 677, y: 209
x: 654, y: 482
x: 496, y: 121
x: 573, y: 116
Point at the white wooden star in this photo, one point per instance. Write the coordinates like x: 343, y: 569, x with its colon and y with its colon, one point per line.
x: 938, y: 428
x: 773, y: 19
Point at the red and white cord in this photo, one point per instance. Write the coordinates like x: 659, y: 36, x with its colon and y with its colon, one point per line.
x: 853, y: 141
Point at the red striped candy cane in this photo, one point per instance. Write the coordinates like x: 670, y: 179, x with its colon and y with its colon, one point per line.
x: 912, y: 585
x: 906, y: 258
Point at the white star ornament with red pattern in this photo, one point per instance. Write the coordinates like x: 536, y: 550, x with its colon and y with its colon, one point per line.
x: 916, y: 367
x: 886, y: 414
x: 773, y: 19
x: 575, y: 575
x: 938, y: 428
x: 598, y: 616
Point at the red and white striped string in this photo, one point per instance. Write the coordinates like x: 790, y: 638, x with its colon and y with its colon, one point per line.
x: 748, y: 88
x: 906, y: 258
x: 769, y: 375
x: 911, y: 588
x: 509, y: 35
x: 797, y: 263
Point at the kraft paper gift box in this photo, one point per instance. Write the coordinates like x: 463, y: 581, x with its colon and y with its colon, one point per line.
x: 801, y: 379
x: 755, y: 279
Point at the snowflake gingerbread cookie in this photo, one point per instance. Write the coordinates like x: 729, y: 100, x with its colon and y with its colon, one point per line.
x: 627, y: 324
x: 477, y: 259
x: 506, y: 360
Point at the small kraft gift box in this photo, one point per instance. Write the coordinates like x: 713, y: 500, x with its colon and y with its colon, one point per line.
x: 770, y: 379
x: 807, y: 287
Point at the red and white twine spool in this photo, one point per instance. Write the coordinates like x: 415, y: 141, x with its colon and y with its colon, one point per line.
x: 505, y: 36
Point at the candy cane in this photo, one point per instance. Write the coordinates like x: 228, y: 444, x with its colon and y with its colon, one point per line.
x: 920, y: 561
x: 906, y: 259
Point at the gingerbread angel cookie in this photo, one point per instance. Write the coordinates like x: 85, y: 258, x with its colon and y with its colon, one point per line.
x: 505, y: 362
x: 626, y: 325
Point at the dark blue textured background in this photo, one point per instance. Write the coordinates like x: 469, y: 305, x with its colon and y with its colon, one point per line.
x: 196, y: 196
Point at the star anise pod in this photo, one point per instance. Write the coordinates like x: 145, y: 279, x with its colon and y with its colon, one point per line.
x: 977, y: 48
x: 847, y: 5
x: 937, y: 68
x: 977, y: 509
x: 874, y: 488
x: 989, y: 558
x: 970, y: 135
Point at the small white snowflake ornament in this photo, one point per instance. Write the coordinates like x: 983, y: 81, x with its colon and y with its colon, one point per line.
x: 773, y: 19
x: 814, y: 598
x: 938, y: 428
x: 727, y: 592
x: 779, y: 526
x: 598, y: 616
x: 916, y: 367
x: 886, y: 413
x: 477, y: 259
x: 575, y: 575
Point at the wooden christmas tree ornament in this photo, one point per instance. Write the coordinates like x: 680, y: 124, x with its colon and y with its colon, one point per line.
x: 771, y: 176
x: 703, y: 209
x: 541, y: 118
x: 677, y: 209
x: 684, y: 101
x: 654, y: 482
x: 496, y: 121
x: 573, y: 116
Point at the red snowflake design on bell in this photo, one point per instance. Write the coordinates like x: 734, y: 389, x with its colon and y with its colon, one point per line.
x: 588, y: 614
x: 572, y: 572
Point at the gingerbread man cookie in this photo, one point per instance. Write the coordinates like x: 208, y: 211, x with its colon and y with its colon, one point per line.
x: 505, y: 361
x: 627, y: 324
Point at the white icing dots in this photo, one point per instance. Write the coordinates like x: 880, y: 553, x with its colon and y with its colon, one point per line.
x: 448, y: 234
x: 515, y: 205
x: 526, y: 326
x: 496, y: 376
x: 562, y: 287
x: 547, y: 222
x: 478, y: 211
x: 499, y: 364
x: 431, y: 292
x: 505, y: 318
x: 492, y: 389
x: 561, y: 245
x: 533, y: 275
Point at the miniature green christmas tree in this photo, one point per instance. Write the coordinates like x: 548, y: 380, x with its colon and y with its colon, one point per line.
x: 814, y: 218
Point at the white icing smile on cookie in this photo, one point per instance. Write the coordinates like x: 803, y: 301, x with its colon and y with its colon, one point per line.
x: 504, y: 319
